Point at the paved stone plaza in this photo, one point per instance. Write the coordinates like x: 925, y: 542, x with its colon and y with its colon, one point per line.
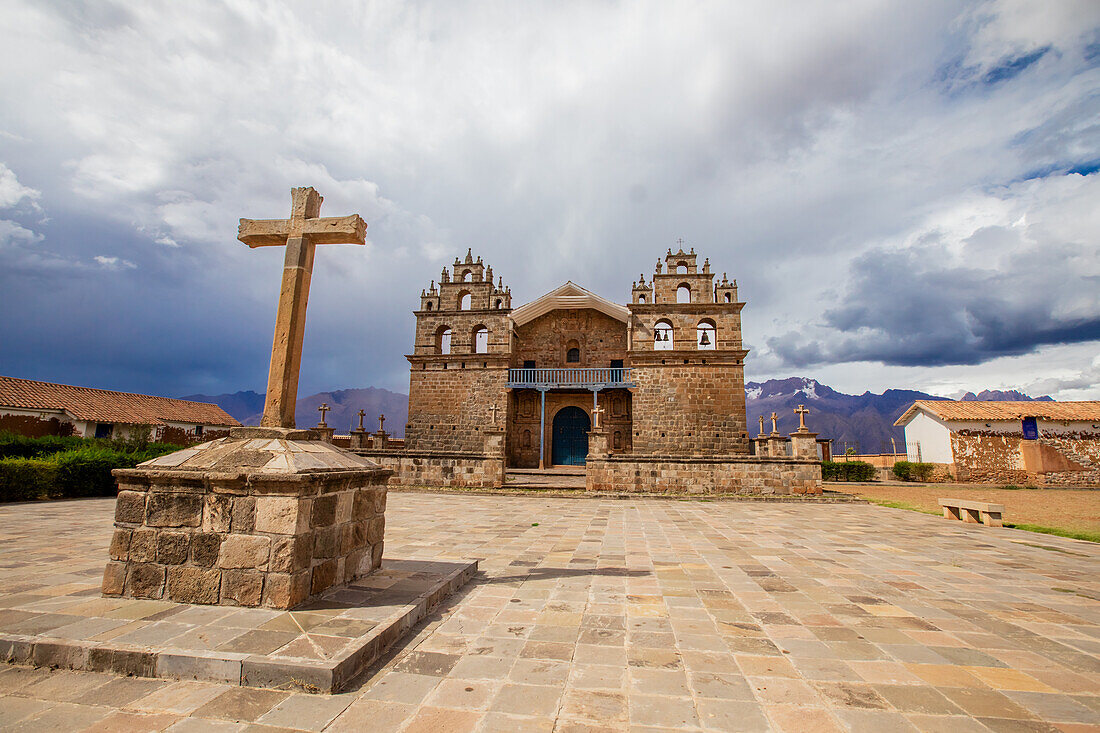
x: 639, y: 614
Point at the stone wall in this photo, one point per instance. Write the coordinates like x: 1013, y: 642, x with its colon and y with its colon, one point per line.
x: 1060, y: 460
x: 244, y: 540
x: 430, y: 468
x: 711, y: 475
x: 1084, y: 450
x: 449, y: 408
x: 545, y: 340
x: 693, y: 408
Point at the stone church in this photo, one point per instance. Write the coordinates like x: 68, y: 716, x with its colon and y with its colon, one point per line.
x: 663, y: 375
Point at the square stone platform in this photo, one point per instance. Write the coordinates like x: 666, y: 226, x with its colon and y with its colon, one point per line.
x: 318, y: 648
x: 265, y: 517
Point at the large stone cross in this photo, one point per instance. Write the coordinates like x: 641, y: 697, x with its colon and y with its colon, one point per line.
x: 597, y: 417
x: 299, y: 234
x: 801, y: 411
x: 323, y: 409
x: 493, y: 409
x: 381, y: 423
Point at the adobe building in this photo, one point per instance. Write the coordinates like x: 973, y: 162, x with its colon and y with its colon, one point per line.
x: 1042, y: 443
x: 37, y: 408
x: 648, y: 396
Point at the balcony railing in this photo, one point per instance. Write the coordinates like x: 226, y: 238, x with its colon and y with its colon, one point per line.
x: 595, y: 378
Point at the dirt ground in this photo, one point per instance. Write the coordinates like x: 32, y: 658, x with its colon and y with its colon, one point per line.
x: 1073, y: 509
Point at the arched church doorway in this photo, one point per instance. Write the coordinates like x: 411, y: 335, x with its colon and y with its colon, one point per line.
x: 569, y: 445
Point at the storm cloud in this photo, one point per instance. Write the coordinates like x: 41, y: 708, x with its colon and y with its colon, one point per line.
x: 892, y: 184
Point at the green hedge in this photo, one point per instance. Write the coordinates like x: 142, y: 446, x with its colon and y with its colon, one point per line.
x: 847, y: 471
x: 21, y: 446
x: 912, y: 471
x: 50, y: 468
x: 26, y: 479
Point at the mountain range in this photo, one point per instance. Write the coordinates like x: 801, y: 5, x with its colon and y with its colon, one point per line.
x: 344, y: 404
x: 864, y: 422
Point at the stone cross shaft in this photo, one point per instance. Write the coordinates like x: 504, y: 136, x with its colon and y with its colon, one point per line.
x: 801, y: 411
x: 323, y: 409
x: 300, y: 234
x: 381, y: 423
x: 775, y: 424
x: 362, y: 414
x: 761, y: 424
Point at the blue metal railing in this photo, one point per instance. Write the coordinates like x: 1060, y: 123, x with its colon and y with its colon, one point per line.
x: 592, y: 378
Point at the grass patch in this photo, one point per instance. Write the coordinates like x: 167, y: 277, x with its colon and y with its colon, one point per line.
x: 1086, y: 535
x: 899, y: 505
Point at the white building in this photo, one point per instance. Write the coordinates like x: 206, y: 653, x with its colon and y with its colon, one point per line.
x: 43, y: 408
x: 1007, y: 442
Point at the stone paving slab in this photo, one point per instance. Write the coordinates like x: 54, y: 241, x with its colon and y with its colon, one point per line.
x: 645, y: 615
x: 317, y: 648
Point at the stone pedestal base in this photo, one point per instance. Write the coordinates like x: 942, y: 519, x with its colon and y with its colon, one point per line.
x: 246, y: 521
x: 804, y: 444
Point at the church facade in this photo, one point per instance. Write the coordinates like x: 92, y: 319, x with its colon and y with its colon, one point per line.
x: 652, y: 386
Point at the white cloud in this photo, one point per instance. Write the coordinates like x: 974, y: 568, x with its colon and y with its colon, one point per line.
x: 114, y: 263
x: 12, y: 192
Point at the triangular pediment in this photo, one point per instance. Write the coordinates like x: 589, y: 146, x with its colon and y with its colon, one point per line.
x: 569, y: 296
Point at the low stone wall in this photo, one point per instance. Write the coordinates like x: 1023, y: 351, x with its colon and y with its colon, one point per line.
x: 428, y: 468
x: 736, y: 474
x: 240, y: 539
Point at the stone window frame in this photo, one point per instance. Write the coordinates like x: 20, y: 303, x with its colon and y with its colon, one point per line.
x: 704, y: 325
x: 664, y: 326
x: 478, y: 329
x: 444, y: 336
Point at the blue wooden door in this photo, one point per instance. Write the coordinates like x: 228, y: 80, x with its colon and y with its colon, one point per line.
x: 570, y: 437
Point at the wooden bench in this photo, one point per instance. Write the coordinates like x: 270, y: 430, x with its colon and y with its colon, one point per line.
x: 973, y: 512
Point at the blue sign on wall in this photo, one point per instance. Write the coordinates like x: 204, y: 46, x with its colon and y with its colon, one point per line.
x: 1031, y: 430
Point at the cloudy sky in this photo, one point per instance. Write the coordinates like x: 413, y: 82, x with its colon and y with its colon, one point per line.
x: 906, y: 192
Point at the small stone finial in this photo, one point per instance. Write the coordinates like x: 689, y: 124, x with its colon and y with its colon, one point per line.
x: 775, y: 424
x: 706, y: 265
x: 362, y: 414
x: 500, y: 282
x: 659, y: 263
x: 597, y: 417
x: 323, y: 409
x: 469, y: 255
x: 381, y: 423
x: 801, y: 411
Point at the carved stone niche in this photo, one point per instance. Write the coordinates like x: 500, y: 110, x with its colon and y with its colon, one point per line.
x: 266, y: 517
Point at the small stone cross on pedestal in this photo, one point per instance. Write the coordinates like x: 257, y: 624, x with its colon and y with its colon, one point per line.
x: 801, y: 411
x: 775, y: 424
x: 381, y: 423
x: 597, y: 417
x: 323, y: 409
x: 362, y: 414
x: 493, y: 409
x: 299, y: 234
x: 761, y: 424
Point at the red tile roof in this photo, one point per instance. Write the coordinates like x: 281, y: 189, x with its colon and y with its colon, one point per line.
x: 100, y: 405
x: 974, y: 410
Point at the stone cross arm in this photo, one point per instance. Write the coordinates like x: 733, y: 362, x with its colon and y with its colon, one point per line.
x: 326, y: 230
